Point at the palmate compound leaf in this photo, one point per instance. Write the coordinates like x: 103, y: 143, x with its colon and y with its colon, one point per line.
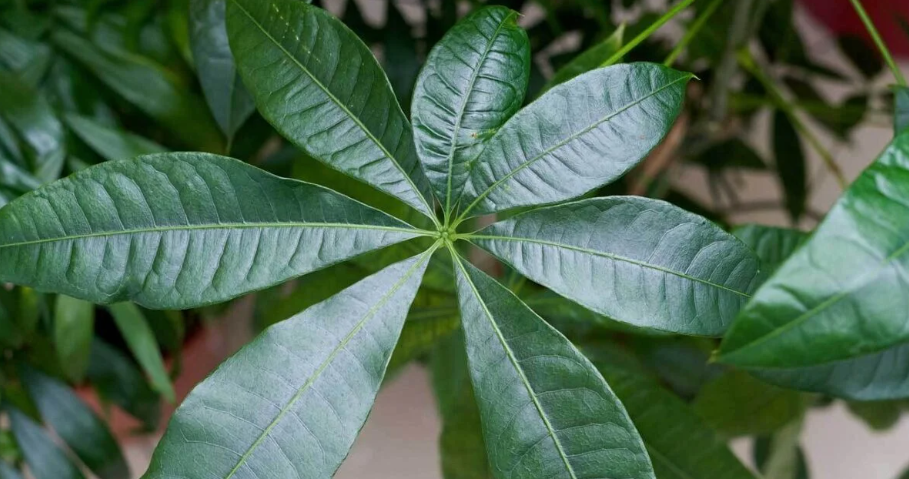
x: 291, y: 403
x: 181, y: 230
x: 841, y: 295
x: 474, y: 80
x: 546, y: 411
x: 578, y: 136
x: 322, y: 88
x: 635, y: 260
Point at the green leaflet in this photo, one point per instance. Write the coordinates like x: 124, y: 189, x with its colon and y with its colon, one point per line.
x: 111, y: 143
x: 580, y: 135
x: 141, y: 341
x: 74, y: 327
x: 117, y: 380
x: 850, y: 277
x: 592, y: 58
x: 771, y: 244
x: 900, y: 109
x: 790, y: 164
x: 474, y: 80
x: 680, y: 444
x: 297, y: 396
x: 227, y: 98
x: 45, y: 460
x: 181, y: 230
x: 76, y: 424
x: 322, y: 88
x: 635, y: 260
x: 32, y: 117
x: 546, y: 411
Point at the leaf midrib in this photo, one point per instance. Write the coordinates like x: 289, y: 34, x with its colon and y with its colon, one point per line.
x: 570, y: 139
x: 344, y: 108
x: 341, y: 346
x: 611, y: 256
x: 217, y: 226
x: 516, y: 365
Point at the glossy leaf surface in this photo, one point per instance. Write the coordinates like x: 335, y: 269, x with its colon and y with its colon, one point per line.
x: 578, y: 136
x: 841, y: 295
x: 227, y: 98
x: 771, y: 244
x: 546, y: 411
x: 636, y: 260
x: 181, y: 230
x: 474, y: 80
x: 322, y: 88
x: 291, y: 403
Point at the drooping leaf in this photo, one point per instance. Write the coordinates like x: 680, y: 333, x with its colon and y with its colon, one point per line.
x: 732, y: 153
x: 474, y: 80
x: 636, y: 260
x: 141, y: 341
x: 878, y: 415
x: 780, y: 456
x: 32, y: 117
x: 228, y: 99
x: 111, y: 143
x: 461, y: 445
x: 578, y: 136
x: 736, y: 404
x: 291, y: 403
x: 45, y: 460
x: 901, y: 110
x: 546, y: 411
x: 148, y: 86
x: 592, y: 58
x: 681, y: 446
x: 841, y: 295
x: 771, y: 244
x: 861, y: 54
x: 400, y: 59
x: 74, y: 327
x: 118, y: 380
x: 322, y: 88
x: 181, y: 230
x: 76, y: 424
x: 790, y: 164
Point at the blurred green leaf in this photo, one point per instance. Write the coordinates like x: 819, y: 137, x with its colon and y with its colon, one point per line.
x: 771, y: 244
x: 901, y: 109
x: 878, y: 415
x: 28, y: 59
x: 421, y: 336
x: 15, y: 178
x: 590, y: 59
x: 141, y: 341
x: 76, y: 424
x: 45, y: 460
x: 779, y: 456
x: 9, y: 453
x: 74, y: 325
x: 731, y: 153
x: 111, y: 143
x: 399, y: 60
x: 32, y: 117
x: 116, y: 379
x: 862, y: 56
x: 6, y: 471
x: 790, y: 164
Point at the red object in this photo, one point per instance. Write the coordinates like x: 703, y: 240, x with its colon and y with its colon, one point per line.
x: 840, y: 17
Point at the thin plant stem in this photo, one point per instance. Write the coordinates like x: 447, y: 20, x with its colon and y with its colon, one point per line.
x: 745, y: 59
x: 692, y: 31
x: 649, y: 31
x: 879, y: 42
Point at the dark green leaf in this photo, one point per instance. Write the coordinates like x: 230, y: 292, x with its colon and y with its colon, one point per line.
x: 77, y: 425
x: 45, y: 460
x: 228, y: 99
x: 862, y: 55
x: 841, y: 295
x: 74, y: 326
x: 790, y: 164
x: 181, y: 230
x: 636, y: 260
x: 32, y: 117
x: 545, y: 409
x: 901, y: 109
x: 736, y: 404
x: 780, y: 456
x: 578, y: 136
x: 28, y: 59
x: 15, y: 178
x: 111, y: 143
x: 878, y: 415
x: 141, y: 341
x: 474, y: 80
x: 291, y: 403
x: 119, y: 381
x: 594, y: 57
x: 322, y: 88
x: 732, y: 153
x: 771, y: 244
x: 399, y: 54
x: 421, y: 334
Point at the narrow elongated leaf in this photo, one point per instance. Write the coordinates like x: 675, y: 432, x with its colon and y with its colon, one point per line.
x: 735, y: 404
x: 228, y: 99
x: 291, y: 403
x: 592, y: 58
x: 141, y: 341
x: 111, y: 143
x: 790, y: 164
x: 901, y: 110
x: 74, y: 327
x: 118, y: 380
x: 636, y: 260
x: 45, y: 460
x: 580, y: 135
x: 32, y: 117
x: 15, y: 178
x: 842, y: 294
x: 322, y: 88
x: 680, y: 444
x: 546, y: 411
x: 474, y: 80
x: 771, y: 244
x: 180, y: 230
x: 77, y: 425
